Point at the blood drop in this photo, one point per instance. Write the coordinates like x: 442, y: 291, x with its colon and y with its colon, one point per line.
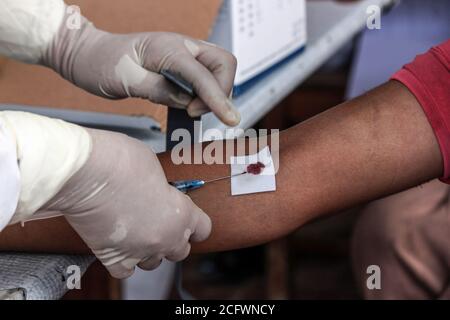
x: 256, y: 168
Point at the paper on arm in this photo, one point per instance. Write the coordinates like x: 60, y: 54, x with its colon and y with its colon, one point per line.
x: 249, y: 183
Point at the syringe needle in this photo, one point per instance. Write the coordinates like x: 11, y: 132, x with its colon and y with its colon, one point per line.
x: 227, y: 177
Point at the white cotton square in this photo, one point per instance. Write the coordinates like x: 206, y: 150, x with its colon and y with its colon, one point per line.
x: 249, y: 183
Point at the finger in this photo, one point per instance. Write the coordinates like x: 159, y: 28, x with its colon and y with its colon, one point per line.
x: 151, y: 263
x: 206, y: 87
x: 197, y: 108
x: 157, y: 89
x: 180, y: 254
x: 221, y: 63
x: 202, y: 229
x: 119, y: 271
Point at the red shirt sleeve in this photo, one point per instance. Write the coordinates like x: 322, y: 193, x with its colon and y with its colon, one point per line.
x: 428, y: 78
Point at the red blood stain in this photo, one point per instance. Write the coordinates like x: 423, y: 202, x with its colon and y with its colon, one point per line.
x: 256, y: 168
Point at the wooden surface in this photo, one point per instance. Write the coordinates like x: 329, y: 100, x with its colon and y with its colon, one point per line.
x: 38, y: 86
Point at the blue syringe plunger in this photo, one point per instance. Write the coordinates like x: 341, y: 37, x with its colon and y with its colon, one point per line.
x: 188, y: 185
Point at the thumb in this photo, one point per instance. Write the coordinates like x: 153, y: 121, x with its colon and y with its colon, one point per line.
x: 203, y: 227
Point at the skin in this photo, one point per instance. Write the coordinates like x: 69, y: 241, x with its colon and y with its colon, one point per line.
x: 365, y: 149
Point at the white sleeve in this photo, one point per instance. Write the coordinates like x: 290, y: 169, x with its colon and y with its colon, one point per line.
x: 9, y: 177
x: 27, y: 27
x: 49, y: 152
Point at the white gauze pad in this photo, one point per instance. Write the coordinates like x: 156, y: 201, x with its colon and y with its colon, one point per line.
x: 249, y: 183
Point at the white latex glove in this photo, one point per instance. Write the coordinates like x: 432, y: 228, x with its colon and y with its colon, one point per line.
x: 122, y: 206
x: 120, y: 66
x: 111, y: 189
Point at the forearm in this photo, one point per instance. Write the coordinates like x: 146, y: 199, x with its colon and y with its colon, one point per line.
x: 371, y: 147
x: 362, y: 150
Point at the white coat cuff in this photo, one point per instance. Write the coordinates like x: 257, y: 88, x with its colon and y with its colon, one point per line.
x: 9, y: 177
x: 27, y: 27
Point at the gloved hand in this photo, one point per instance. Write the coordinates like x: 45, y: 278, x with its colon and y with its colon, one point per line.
x: 119, y: 66
x: 121, y: 205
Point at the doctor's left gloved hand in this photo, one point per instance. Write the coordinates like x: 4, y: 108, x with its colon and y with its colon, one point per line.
x: 110, y: 188
x: 119, y: 66
x: 121, y: 205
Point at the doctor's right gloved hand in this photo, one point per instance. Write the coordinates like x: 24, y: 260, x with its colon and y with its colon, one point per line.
x: 110, y: 188
x: 118, y: 66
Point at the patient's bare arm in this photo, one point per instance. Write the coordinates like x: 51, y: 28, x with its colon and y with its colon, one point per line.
x: 370, y: 147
